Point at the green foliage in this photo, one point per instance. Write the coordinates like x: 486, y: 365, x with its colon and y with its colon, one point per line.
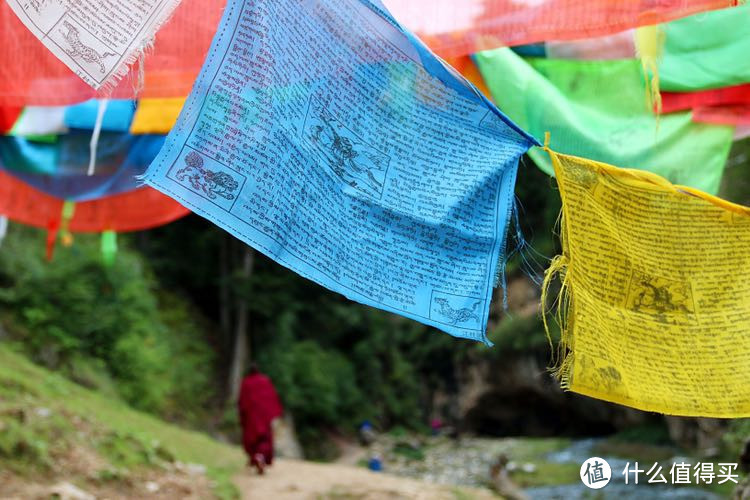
x: 129, y: 450
x: 408, y: 451
x: 29, y: 439
x: 522, y: 334
x: 654, y: 434
x: 104, y: 325
x: 733, y: 442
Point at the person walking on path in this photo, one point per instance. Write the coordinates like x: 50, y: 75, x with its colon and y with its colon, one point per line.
x: 258, y: 406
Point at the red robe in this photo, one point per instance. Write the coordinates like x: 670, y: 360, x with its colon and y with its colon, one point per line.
x: 258, y: 405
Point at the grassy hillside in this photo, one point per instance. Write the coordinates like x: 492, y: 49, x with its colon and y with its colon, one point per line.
x: 52, y: 429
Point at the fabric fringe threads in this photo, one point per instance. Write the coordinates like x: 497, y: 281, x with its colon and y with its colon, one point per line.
x: 138, y: 53
x: 649, y: 48
x: 562, y: 353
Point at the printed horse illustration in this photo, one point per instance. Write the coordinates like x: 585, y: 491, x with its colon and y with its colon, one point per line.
x: 457, y: 316
x: 79, y: 49
x: 211, y: 183
x: 355, y: 168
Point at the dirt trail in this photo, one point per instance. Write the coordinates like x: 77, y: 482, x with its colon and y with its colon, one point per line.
x: 297, y: 480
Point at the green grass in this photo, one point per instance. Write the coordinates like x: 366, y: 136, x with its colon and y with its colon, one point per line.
x: 129, y: 437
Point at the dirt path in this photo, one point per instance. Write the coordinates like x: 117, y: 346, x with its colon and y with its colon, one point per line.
x: 297, y: 480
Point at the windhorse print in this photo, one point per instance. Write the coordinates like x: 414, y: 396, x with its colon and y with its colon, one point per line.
x: 356, y: 163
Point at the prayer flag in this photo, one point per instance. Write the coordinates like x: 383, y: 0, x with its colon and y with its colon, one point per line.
x: 31, y: 75
x: 330, y: 139
x: 156, y: 116
x: 59, y: 168
x: 97, y: 40
x: 707, y: 51
x: 679, y: 101
x: 598, y: 110
x: 117, y: 117
x: 655, y: 305
x: 142, y: 208
x: 455, y: 28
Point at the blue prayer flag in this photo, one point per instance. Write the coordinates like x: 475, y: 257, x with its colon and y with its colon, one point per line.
x: 117, y: 116
x: 59, y: 168
x: 330, y: 139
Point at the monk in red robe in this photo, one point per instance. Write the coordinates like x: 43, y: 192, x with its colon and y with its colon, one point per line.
x: 258, y: 405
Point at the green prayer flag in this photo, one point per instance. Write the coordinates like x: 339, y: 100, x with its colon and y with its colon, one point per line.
x: 597, y: 110
x: 109, y: 247
x: 707, y: 50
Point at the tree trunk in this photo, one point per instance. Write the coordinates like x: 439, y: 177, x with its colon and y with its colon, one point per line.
x: 241, y: 350
x: 225, y: 308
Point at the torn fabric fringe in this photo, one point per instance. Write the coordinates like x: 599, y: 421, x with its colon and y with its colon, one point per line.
x: 649, y: 47
x: 86, y: 38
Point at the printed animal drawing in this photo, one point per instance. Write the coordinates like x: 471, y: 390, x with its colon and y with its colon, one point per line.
x: 456, y: 316
x: 356, y: 163
x: 79, y: 49
x: 211, y: 183
x: 660, y: 297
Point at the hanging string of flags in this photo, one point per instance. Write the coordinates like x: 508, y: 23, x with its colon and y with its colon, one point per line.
x: 329, y: 137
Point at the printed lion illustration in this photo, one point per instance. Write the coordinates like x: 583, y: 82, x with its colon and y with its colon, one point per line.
x: 211, y: 183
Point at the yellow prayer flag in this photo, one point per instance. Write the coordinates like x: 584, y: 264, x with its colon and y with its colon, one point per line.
x: 156, y: 116
x: 655, y: 305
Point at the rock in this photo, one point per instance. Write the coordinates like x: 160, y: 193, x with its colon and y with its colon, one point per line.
x: 515, y: 395
x: 702, y: 434
x: 67, y: 491
x: 43, y: 412
x: 742, y: 490
x: 196, y: 469
x: 152, y: 486
x: 502, y: 483
x: 285, y: 440
x: 528, y: 468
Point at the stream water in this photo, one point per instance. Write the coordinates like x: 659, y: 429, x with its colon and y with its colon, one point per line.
x: 467, y: 463
x: 581, y: 450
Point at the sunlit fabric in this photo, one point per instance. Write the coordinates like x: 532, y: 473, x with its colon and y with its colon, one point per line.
x: 617, y: 46
x: 733, y: 115
x: 455, y: 28
x: 8, y: 117
x: 156, y: 116
x: 707, y: 51
x: 597, y: 110
x: 142, y: 208
x: 325, y: 136
x: 679, y: 101
x: 655, y: 301
x: 38, y: 121
x: 30, y: 74
x: 118, y: 115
